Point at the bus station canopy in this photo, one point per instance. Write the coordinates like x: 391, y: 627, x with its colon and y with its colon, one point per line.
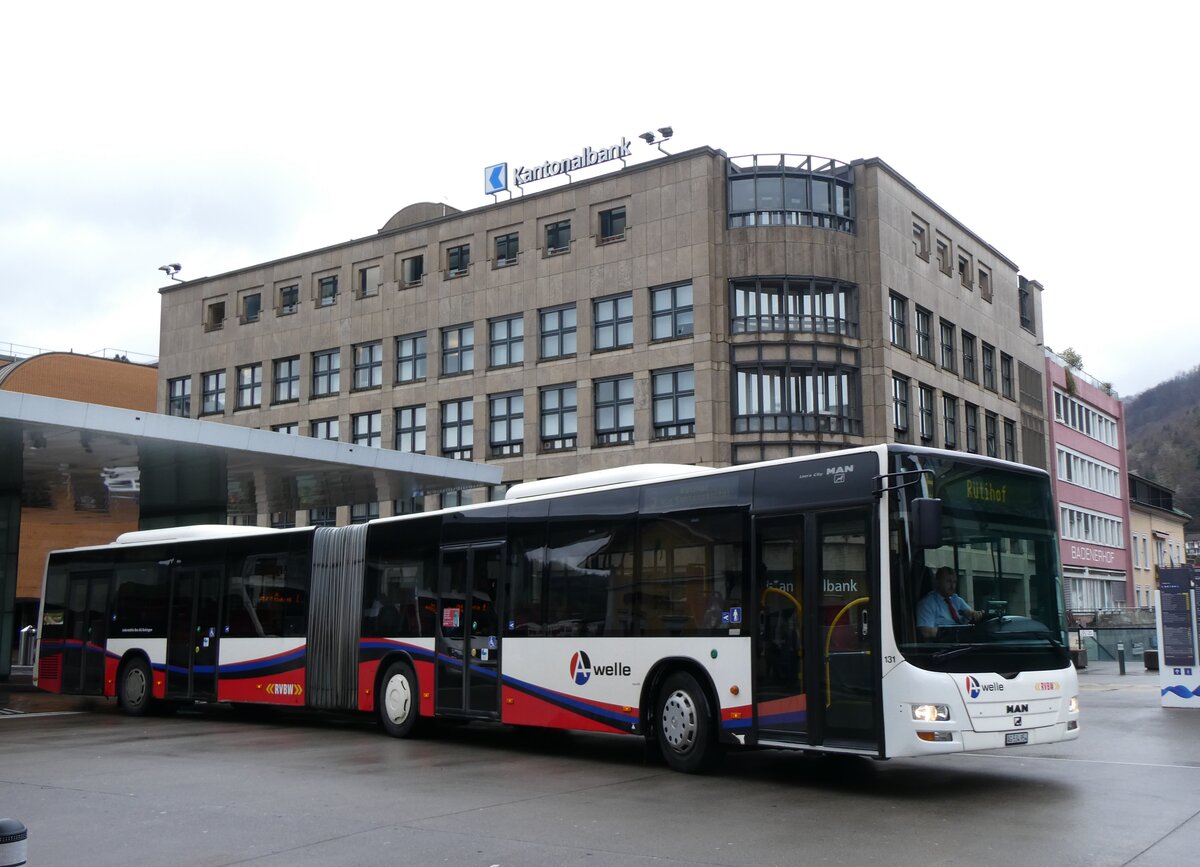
x: 178, y: 468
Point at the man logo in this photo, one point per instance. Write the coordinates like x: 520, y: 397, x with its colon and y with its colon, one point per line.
x: 972, y: 686
x: 581, y: 668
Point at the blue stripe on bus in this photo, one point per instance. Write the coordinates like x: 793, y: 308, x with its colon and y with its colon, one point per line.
x: 601, y: 714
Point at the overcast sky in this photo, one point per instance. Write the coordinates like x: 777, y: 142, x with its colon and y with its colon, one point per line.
x: 221, y: 135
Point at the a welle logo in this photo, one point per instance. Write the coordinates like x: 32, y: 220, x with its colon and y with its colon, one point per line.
x: 582, y: 670
x: 975, y: 688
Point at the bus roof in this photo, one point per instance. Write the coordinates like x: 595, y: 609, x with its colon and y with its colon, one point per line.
x: 190, y: 532
x: 603, y: 478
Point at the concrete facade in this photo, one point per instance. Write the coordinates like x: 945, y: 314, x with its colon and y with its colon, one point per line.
x: 1087, y: 446
x: 705, y: 330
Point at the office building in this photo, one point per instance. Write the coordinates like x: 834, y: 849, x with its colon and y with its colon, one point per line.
x: 695, y: 308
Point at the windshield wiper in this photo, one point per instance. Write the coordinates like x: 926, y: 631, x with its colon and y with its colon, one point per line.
x: 955, y: 651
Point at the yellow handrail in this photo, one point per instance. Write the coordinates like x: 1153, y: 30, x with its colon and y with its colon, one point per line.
x: 829, y: 638
x: 799, y: 620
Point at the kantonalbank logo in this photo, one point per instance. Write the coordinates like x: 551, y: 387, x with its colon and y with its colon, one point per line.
x: 582, y: 670
x: 975, y: 688
x: 987, y: 492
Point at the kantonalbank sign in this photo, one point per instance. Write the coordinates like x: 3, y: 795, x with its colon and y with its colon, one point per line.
x: 495, y: 177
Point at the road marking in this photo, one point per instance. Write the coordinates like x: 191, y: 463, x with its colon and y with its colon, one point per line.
x: 9, y: 713
x: 1081, y: 761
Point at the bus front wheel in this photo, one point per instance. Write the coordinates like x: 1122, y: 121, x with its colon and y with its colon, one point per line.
x: 685, y: 727
x: 135, y: 688
x: 398, y: 698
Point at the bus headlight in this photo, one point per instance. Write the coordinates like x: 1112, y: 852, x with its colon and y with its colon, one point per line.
x: 931, y: 712
x: 1073, y: 704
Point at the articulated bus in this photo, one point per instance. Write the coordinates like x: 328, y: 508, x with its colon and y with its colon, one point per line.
x: 764, y: 605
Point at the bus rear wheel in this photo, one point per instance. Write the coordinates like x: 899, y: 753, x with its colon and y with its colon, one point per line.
x: 398, y: 700
x: 134, y: 688
x: 685, y: 726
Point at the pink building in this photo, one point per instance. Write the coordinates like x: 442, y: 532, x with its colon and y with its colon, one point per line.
x: 1088, y: 468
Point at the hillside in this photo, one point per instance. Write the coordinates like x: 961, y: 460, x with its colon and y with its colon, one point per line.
x: 1162, y: 426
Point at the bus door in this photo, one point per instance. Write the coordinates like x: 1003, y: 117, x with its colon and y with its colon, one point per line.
x: 85, y: 629
x: 468, y: 630
x: 846, y: 646
x: 192, y: 630
x: 814, y: 668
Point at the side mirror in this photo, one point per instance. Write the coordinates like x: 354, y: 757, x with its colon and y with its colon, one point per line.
x: 925, y: 518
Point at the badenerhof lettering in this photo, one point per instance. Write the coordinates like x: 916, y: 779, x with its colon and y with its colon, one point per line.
x: 587, y: 157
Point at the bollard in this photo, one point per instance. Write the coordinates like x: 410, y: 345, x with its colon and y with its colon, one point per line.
x: 1121, y: 656
x: 12, y: 843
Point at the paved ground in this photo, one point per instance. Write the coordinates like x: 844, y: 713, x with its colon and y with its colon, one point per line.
x: 209, y: 788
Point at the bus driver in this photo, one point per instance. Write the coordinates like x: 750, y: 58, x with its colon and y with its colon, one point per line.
x: 941, y: 606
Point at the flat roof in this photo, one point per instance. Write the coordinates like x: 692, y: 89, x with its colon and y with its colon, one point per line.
x: 102, y: 449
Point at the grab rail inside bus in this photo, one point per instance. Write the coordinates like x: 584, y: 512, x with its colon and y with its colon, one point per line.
x: 799, y: 617
x: 829, y: 639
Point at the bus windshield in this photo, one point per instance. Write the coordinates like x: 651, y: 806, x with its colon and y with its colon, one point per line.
x: 989, y: 596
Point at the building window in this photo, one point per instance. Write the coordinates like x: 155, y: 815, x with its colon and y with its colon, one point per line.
x: 801, y: 399
x: 968, y: 356
x: 506, y: 424
x: 614, y: 410
x: 327, y: 291
x: 506, y: 341
x: 410, y: 429
x: 324, y: 429
x: 212, y: 392
x: 252, y: 307
x: 458, y: 350
x: 925, y: 412
x: 458, y: 428
x: 283, y: 520
x: 900, y: 404
x: 179, y: 397
x: 991, y: 435
x: 292, y: 428
x: 924, y: 328
x: 507, y: 248
x: 1080, y: 417
x: 287, y: 379
x: 947, y: 331
x: 458, y: 260
x: 674, y: 401
x: 323, y: 516
x: 950, y: 421
x: 612, y: 225
x: 558, y: 237
x: 289, y: 300
x: 1006, y: 376
x: 412, y: 270
x: 989, y: 367
x: 1025, y: 305
x: 557, y: 332
x: 360, y: 513
x: 326, y: 372
x: 985, y: 284
x: 410, y: 358
x: 793, y: 304
x: 971, y: 412
x: 454, y: 499
x: 612, y: 322
x: 965, y: 270
x: 368, y: 365
x: 214, y: 316
x: 1010, y: 440
x: 899, y: 316
x: 366, y: 429
x: 920, y: 237
x: 671, y: 313
x: 249, y: 386
x: 942, y: 246
x: 558, y: 422
x: 368, y: 281
x: 812, y: 192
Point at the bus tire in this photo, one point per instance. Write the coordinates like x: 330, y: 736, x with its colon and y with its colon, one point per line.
x: 134, y: 687
x: 399, y: 700
x: 685, y: 727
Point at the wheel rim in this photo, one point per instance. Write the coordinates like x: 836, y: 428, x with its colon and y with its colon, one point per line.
x: 680, y: 721
x: 397, y: 699
x: 135, y: 686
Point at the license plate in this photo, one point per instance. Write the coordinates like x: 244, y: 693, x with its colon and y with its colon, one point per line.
x: 1016, y: 738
